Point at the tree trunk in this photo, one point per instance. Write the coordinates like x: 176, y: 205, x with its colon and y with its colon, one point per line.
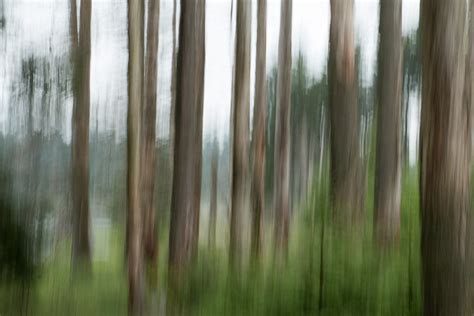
x: 346, y: 193
x: 80, y: 140
x: 258, y: 139
x: 149, y: 121
x: 185, y: 204
x: 241, y: 128
x: 173, y: 86
x: 445, y: 153
x: 388, y: 164
x: 282, y: 132
x: 213, y: 201
x: 135, y: 105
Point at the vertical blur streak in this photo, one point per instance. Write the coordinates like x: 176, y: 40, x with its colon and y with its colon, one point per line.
x: 346, y: 192
x: 445, y: 152
x: 80, y: 139
x: 282, y: 132
x: 148, y: 132
x: 135, y: 100
x: 240, y: 139
x: 258, y: 138
x: 186, y: 190
x: 388, y: 151
x: 213, y: 202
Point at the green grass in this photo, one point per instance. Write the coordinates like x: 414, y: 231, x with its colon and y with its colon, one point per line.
x: 358, y: 280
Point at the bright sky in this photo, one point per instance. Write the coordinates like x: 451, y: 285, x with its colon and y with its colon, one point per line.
x: 41, y: 27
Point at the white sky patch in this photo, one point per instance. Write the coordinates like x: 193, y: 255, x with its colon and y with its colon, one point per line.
x: 42, y: 27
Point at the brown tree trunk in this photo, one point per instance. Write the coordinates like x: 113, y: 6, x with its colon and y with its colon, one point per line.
x: 241, y: 128
x: 346, y: 193
x: 185, y: 202
x: 282, y: 132
x: 388, y: 164
x: 445, y: 153
x: 258, y: 139
x: 149, y: 121
x: 80, y: 140
x: 135, y: 106
x: 213, y: 200
x: 173, y: 86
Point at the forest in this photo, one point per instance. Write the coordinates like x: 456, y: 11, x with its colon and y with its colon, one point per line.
x: 236, y: 157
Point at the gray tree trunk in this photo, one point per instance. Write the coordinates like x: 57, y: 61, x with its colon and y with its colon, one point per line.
x: 135, y: 105
x: 185, y: 202
x: 81, y: 253
x: 148, y: 131
x: 282, y: 132
x: 388, y: 164
x: 345, y: 170
x: 241, y: 108
x: 445, y: 154
x: 258, y: 139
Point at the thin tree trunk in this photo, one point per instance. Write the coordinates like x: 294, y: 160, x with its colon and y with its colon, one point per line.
x: 149, y: 121
x: 185, y: 201
x: 258, y: 139
x: 445, y: 153
x: 241, y: 128
x: 282, y: 132
x: 135, y: 106
x: 407, y: 135
x: 213, y: 202
x: 173, y: 86
x: 346, y: 193
x: 388, y: 164
x: 80, y: 140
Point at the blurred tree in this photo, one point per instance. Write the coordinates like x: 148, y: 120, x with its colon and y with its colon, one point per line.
x: 445, y: 154
x: 81, y: 53
x: 411, y: 81
x: 282, y: 132
x: 185, y: 202
x: 213, y: 199
x: 258, y: 138
x: 241, y: 108
x: 173, y: 84
x: 346, y: 189
x: 135, y: 106
x: 148, y: 132
x: 388, y: 165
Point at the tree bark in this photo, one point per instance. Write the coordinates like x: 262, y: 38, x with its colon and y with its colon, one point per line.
x: 173, y: 86
x: 185, y: 204
x: 81, y: 252
x: 149, y: 121
x: 388, y: 164
x: 258, y: 139
x: 282, y: 132
x: 346, y: 193
x: 135, y: 106
x: 241, y: 128
x: 445, y: 153
x: 213, y: 200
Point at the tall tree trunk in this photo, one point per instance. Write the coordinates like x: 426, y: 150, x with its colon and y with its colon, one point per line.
x: 173, y: 86
x: 445, y: 153
x: 149, y: 121
x: 258, y: 139
x: 346, y: 193
x: 213, y: 201
x: 282, y: 132
x: 80, y: 140
x: 241, y: 128
x: 388, y: 164
x: 185, y: 202
x: 135, y: 106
